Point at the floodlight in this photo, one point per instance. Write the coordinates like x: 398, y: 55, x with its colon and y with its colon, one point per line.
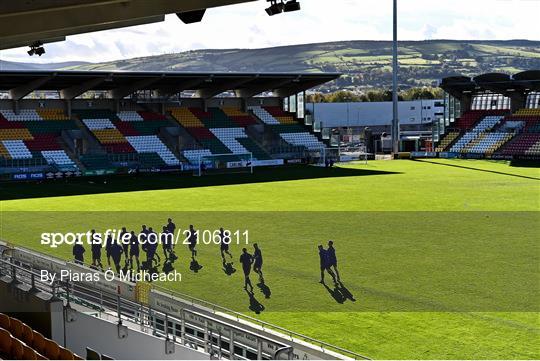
x: 291, y: 5
x: 275, y: 8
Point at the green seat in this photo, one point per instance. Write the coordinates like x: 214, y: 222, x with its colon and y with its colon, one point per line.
x: 50, y: 126
x: 287, y: 128
x: 151, y: 160
x: 95, y: 161
x: 215, y: 146
x: 256, y: 151
x: 218, y: 119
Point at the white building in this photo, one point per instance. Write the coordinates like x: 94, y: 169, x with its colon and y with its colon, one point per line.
x: 333, y: 115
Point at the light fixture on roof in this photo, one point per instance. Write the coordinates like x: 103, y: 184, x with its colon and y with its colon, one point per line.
x: 291, y: 5
x: 36, y: 49
x: 276, y: 7
x: 279, y: 6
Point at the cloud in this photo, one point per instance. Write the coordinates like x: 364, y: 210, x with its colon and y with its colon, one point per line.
x: 248, y: 26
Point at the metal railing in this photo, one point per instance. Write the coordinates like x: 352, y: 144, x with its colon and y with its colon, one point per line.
x: 263, y: 324
x: 148, y: 317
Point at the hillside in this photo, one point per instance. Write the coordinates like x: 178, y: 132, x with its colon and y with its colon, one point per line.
x: 10, y: 65
x: 365, y: 64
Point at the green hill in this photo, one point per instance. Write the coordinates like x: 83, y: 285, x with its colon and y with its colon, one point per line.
x: 365, y: 64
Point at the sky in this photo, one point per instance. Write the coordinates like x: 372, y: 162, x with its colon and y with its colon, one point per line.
x: 248, y: 26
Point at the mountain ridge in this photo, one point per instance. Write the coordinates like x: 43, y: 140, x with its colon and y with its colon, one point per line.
x: 365, y: 64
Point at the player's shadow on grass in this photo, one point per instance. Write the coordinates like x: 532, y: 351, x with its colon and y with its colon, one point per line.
x: 129, y: 183
x: 340, y: 293
x: 254, y: 304
x: 228, y: 268
x: 266, y: 291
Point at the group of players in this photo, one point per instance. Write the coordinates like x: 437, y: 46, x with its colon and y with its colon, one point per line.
x: 329, y: 262
x: 131, y: 251
x: 129, y: 245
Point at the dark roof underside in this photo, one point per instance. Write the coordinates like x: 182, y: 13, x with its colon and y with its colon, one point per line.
x: 125, y: 83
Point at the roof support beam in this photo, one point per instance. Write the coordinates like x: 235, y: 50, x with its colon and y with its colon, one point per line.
x: 76, y: 90
x: 21, y: 91
x: 121, y: 93
x: 295, y: 88
x: 211, y: 92
x: 181, y: 86
x: 250, y: 92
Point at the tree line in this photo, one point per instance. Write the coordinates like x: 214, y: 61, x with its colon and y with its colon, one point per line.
x: 375, y: 95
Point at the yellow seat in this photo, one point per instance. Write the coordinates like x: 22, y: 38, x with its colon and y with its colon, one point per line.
x: 5, y: 341
x: 17, y: 349
x: 108, y: 136
x: 38, y: 342
x: 52, y: 114
x: 29, y: 353
x: 4, y: 319
x: 185, y: 117
x: 16, y: 134
x: 66, y: 354
x: 52, y: 350
x: 16, y: 328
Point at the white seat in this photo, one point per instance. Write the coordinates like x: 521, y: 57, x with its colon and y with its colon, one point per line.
x: 152, y: 144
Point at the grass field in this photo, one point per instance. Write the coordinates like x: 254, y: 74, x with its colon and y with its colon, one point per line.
x: 439, y: 259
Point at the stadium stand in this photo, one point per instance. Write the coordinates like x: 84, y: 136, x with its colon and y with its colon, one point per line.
x: 19, y: 342
x: 128, y: 132
x: 218, y: 131
x: 527, y: 141
x: 474, y: 136
x: 447, y: 140
x: 31, y: 136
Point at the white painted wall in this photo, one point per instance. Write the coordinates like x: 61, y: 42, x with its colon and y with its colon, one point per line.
x: 373, y: 113
x: 102, y: 336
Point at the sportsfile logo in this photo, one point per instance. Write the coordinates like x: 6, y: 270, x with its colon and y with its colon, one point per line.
x: 146, y: 236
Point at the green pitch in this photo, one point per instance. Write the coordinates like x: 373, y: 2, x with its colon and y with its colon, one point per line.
x: 439, y: 260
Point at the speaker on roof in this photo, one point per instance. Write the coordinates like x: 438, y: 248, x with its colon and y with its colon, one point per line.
x: 191, y: 17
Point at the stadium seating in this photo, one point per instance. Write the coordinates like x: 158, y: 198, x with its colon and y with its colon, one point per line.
x: 470, y: 138
x: 305, y: 139
x: 264, y: 115
x: 31, y: 134
x: 128, y: 132
x: 19, y: 342
x: 152, y: 144
x: 490, y: 142
x: 193, y: 156
x: 447, y: 140
x: 241, y: 118
x: 219, y: 131
x: 285, y: 125
x: 470, y: 118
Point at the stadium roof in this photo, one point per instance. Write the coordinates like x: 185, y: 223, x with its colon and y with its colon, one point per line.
x: 496, y: 82
x: 120, y: 84
x: 25, y: 22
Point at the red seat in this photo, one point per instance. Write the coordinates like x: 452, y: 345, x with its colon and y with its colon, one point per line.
x: 4, y: 321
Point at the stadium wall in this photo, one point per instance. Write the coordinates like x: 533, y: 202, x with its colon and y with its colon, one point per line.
x: 85, y: 330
